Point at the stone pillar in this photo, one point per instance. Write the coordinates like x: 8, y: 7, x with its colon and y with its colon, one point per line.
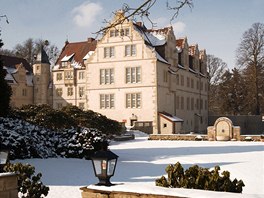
x: 236, y: 133
x: 8, y: 185
x: 211, y: 133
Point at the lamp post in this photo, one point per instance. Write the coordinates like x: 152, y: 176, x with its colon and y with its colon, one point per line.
x: 4, y: 158
x: 104, y: 164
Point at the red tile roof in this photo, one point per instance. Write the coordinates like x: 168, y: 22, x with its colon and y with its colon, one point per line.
x: 79, y: 49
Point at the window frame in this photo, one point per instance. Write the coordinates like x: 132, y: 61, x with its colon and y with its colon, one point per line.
x: 133, y: 100
x: 133, y: 75
x: 107, y: 101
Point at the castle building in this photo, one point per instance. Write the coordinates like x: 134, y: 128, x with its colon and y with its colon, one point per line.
x: 145, y: 78
x: 29, y: 85
x: 138, y: 76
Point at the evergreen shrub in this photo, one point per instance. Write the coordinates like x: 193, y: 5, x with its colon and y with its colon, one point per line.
x: 29, y: 184
x: 199, y: 178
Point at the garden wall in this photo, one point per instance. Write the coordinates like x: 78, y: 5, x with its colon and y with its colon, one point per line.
x: 249, y: 124
x: 91, y: 193
x: 8, y: 185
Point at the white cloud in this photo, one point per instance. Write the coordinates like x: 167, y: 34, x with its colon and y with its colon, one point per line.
x: 178, y: 27
x: 86, y: 13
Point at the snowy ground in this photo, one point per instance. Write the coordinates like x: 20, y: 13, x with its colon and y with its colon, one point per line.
x: 142, y: 161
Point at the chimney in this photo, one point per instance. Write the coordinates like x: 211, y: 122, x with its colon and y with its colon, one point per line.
x: 90, y: 40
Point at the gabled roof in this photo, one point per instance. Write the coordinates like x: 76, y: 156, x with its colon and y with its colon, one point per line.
x: 11, y: 61
x: 76, y: 51
x: 170, y: 117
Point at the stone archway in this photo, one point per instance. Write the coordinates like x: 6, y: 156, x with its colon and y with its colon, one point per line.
x: 223, y: 129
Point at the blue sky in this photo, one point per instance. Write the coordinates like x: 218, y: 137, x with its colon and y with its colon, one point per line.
x: 216, y: 25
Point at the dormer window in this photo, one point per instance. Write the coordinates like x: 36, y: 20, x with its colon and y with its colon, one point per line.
x: 64, y: 64
x: 66, y: 59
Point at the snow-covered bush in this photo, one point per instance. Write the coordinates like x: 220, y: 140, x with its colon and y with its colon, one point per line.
x: 199, y: 178
x: 27, y: 140
x: 29, y: 184
x: 69, y: 116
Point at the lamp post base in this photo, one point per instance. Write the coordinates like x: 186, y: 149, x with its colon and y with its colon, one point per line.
x: 104, y: 182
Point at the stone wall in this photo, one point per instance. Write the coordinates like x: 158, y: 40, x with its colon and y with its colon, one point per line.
x: 8, y: 185
x: 91, y: 193
x: 186, y: 137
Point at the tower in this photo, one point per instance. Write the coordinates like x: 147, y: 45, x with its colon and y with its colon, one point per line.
x: 41, y: 78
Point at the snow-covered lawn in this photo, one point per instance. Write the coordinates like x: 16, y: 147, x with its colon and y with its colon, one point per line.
x: 142, y: 161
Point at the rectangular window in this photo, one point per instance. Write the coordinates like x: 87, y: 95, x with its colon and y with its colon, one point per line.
x: 192, y: 83
x: 64, y: 64
x: 127, y: 32
x: 107, y: 101
x: 81, y: 75
x: 59, y: 76
x: 24, y: 92
x: 59, y: 91
x: 133, y: 75
x: 197, y: 103
x: 68, y: 75
x: 182, y: 80
x: 165, y: 76
x: 177, y: 102
x: 70, y: 91
x: 188, y: 82
x: 130, y: 50
x: 109, y: 52
x: 197, y: 85
x: 81, y: 91
x: 177, y: 79
x: 182, y: 102
x: 188, y: 103
x: 106, y: 76
x: 133, y: 100
x: 192, y: 104
x: 201, y: 103
x: 112, y: 33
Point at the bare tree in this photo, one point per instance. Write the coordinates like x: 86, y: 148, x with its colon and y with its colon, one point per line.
x: 250, y: 58
x: 216, y: 69
x: 144, y: 11
x: 31, y: 47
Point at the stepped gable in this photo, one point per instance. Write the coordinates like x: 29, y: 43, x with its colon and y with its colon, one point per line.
x: 180, y: 43
x: 77, y: 51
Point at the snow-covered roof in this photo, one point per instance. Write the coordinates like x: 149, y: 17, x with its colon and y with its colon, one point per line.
x: 10, y: 70
x: 88, y: 55
x: 172, y: 117
x: 10, y: 79
x: 160, y: 58
x: 76, y: 65
x: 193, y: 71
x: 67, y: 58
x: 153, y: 38
x: 55, y: 67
